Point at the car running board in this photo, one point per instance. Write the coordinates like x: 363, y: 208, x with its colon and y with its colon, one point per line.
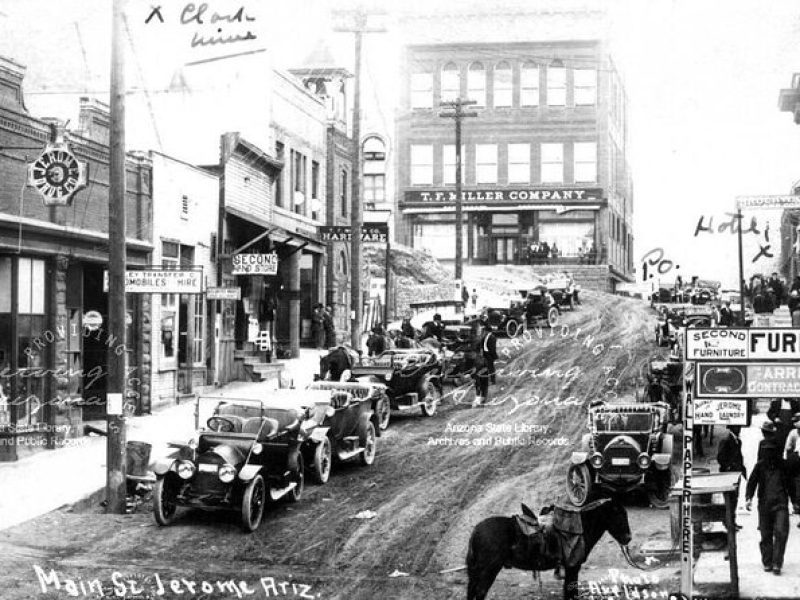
x: 278, y: 494
x: 413, y: 401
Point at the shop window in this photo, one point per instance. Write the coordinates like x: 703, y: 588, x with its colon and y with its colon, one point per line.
x: 170, y: 254
x: 343, y: 192
x: 476, y: 84
x: 30, y: 290
x: 5, y: 285
x: 585, y: 162
x: 199, y: 329
x: 342, y: 262
x: 585, y: 86
x: 529, y: 85
x: 449, y: 164
x: 519, y: 163
x: 552, y: 163
x: 314, y: 190
x: 279, y: 177
x: 486, y: 163
x: 422, y: 90
x: 421, y: 164
x: 556, y: 86
x: 299, y: 171
x: 374, y: 188
x: 502, y: 85
x: 451, y: 82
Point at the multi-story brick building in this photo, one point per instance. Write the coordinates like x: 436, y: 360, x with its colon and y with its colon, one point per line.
x: 545, y: 161
x: 53, y: 305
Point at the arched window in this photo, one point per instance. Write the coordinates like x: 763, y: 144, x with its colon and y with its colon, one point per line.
x: 451, y: 82
x: 342, y: 262
x: 374, y: 152
x: 529, y: 85
x: 502, y: 84
x: 476, y: 84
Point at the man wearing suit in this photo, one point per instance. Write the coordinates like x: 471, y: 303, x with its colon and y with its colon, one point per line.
x: 729, y: 456
x: 781, y: 412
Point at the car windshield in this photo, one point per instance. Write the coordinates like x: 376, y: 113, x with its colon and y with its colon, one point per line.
x: 623, y: 422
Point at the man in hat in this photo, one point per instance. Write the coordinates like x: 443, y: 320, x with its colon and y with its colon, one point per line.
x: 780, y: 412
x: 791, y: 454
x: 729, y: 456
x: 769, y: 478
x: 484, y: 352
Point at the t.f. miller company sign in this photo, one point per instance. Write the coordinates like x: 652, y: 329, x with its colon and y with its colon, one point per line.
x: 505, y: 195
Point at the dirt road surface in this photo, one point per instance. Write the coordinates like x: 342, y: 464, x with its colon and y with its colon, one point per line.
x: 431, y: 483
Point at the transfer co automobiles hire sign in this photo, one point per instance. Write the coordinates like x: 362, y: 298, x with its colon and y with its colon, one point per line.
x: 255, y: 264
x: 57, y: 175
x: 732, y: 344
x: 164, y: 281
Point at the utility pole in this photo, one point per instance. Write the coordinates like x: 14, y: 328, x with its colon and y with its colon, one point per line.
x: 359, y: 28
x: 457, y: 113
x: 115, y: 412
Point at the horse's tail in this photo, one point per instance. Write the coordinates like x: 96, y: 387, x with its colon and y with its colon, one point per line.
x: 472, y: 571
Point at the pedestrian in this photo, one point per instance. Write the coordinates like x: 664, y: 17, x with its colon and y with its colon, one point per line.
x: 780, y: 412
x: 791, y: 454
x: 464, y: 294
x: 730, y: 459
x: 726, y: 315
x: 777, y: 289
x: 474, y: 299
x: 376, y: 343
x: 484, y: 353
x: 769, y: 478
x: 329, y: 326
x: 546, y: 253
x: 318, y: 327
x: 794, y: 307
x: 434, y: 329
x: 407, y: 328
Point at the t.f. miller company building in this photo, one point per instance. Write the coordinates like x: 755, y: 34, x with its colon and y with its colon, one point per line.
x: 545, y: 175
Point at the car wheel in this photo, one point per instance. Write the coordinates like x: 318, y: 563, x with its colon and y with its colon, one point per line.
x: 552, y: 316
x: 579, y: 484
x: 512, y: 328
x: 322, y: 461
x: 300, y: 479
x: 165, y: 506
x: 369, y: 443
x: 659, y: 491
x: 430, y: 399
x: 253, y: 500
x: 384, y: 412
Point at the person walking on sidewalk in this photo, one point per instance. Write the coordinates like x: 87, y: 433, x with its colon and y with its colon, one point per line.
x: 484, y: 351
x: 769, y: 478
x: 317, y: 327
x: 729, y: 457
x: 791, y: 454
x: 329, y: 326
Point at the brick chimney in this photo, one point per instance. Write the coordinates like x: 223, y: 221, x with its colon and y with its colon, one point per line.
x: 11, y: 75
x: 94, y: 120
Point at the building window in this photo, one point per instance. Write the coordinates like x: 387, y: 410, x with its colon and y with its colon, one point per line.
x: 30, y: 286
x: 556, y: 86
x: 314, y: 190
x: 552, y: 163
x: 585, y: 86
x: 343, y: 192
x: 502, y: 85
x: 197, y: 339
x: 422, y: 90
x: 374, y: 188
x: 421, y: 164
x: 486, y: 163
x: 184, y: 207
x: 529, y: 85
x: 585, y: 162
x: 451, y: 82
x: 476, y: 84
x: 342, y: 262
x: 449, y: 164
x: 170, y: 254
x: 279, y: 176
x: 299, y: 171
x: 519, y: 163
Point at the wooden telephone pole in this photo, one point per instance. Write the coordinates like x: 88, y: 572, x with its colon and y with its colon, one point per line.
x: 457, y: 113
x: 115, y: 415
x: 359, y: 28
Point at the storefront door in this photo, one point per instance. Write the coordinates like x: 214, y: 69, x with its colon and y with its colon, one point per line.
x: 505, y: 250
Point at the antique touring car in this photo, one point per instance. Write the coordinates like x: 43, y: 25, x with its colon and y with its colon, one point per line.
x: 628, y: 447
x: 412, y: 377
x: 250, y: 452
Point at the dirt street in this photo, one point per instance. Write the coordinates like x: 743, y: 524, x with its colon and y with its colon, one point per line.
x: 433, y: 480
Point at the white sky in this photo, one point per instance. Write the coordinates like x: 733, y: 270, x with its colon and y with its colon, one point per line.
x: 702, y: 77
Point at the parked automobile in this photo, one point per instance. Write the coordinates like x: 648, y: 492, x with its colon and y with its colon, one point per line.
x: 412, y: 377
x: 627, y: 447
x: 538, y: 307
x: 664, y: 384
x: 250, y: 453
x: 564, y: 293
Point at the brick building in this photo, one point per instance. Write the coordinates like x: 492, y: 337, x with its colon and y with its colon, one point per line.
x: 544, y: 161
x: 53, y: 304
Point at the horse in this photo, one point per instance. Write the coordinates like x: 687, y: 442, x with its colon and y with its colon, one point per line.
x: 490, y: 547
x: 336, y: 362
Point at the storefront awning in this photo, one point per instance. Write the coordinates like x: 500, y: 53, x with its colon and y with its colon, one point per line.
x: 277, y: 234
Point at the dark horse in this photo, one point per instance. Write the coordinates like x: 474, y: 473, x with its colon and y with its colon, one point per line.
x: 336, y: 362
x: 490, y: 547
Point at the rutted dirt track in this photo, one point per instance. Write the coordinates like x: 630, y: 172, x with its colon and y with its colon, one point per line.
x: 427, y: 497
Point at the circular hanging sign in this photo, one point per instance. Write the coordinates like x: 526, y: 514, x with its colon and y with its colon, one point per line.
x: 92, y: 320
x: 57, y: 175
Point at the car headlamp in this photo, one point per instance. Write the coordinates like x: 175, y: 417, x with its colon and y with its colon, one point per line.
x: 597, y: 460
x: 330, y: 411
x: 388, y: 377
x: 227, y: 473
x: 257, y: 448
x: 185, y: 469
x: 643, y: 460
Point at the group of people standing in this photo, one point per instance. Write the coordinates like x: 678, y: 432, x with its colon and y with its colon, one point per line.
x: 775, y: 478
x: 323, y: 329
x: 540, y: 253
x: 769, y: 294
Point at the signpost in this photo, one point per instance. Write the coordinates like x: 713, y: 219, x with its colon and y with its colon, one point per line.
x: 768, y: 202
x: 56, y: 174
x: 164, y: 281
x: 255, y: 264
x: 224, y: 293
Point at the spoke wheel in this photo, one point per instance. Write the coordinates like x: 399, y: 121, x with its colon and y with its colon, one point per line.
x: 322, y: 461
x: 253, y: 501
x: 370, y: 444
x: 512, y: 328
x: 431, y: 399
x: 300, y: 478
x: 579, y: 484
x: 384, y: 412
x: 552, y: 316
x: 165, y: 506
